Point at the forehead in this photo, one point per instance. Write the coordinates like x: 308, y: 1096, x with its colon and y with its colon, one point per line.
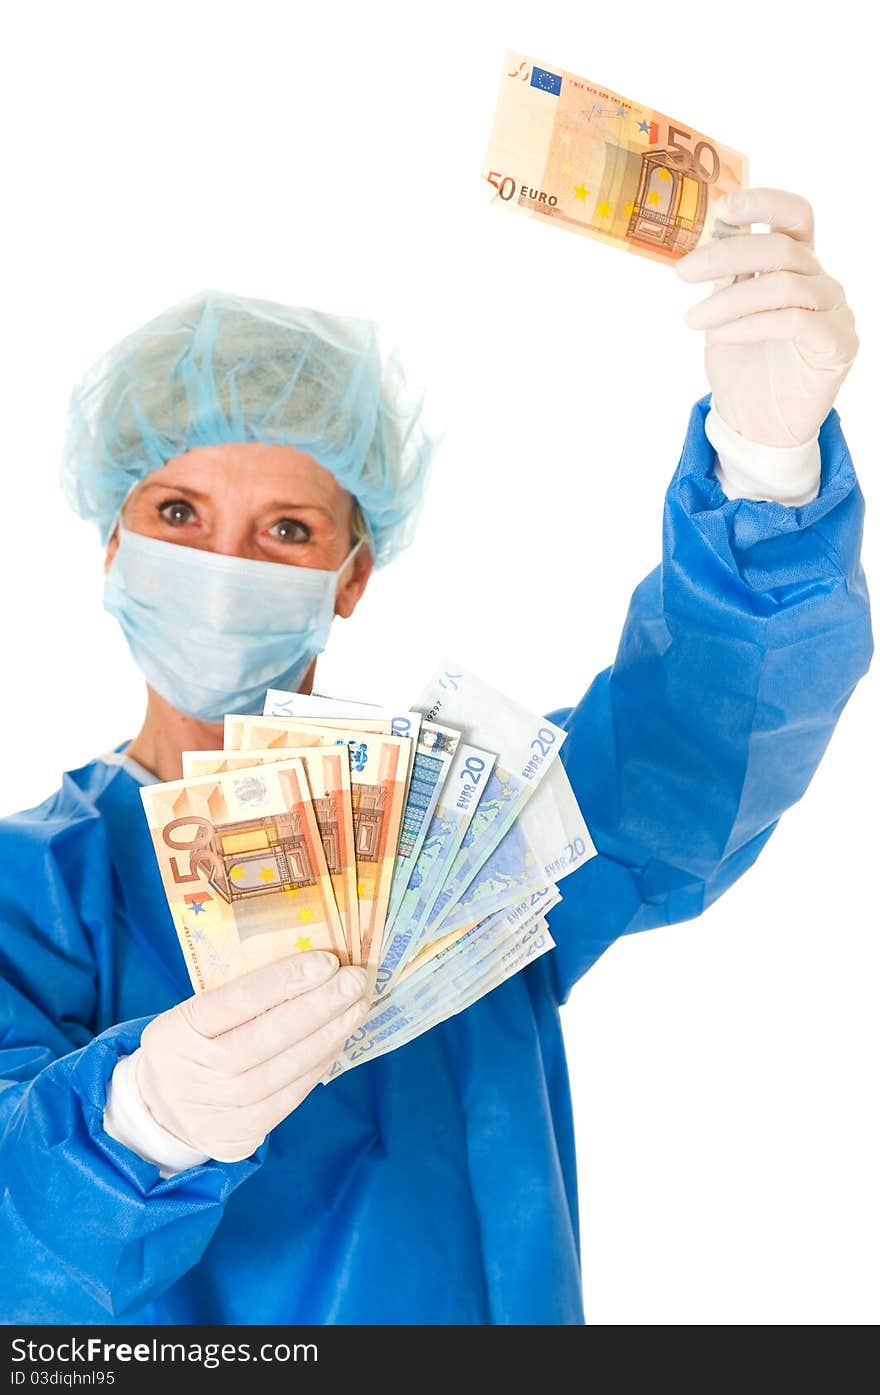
x: 252, y: 471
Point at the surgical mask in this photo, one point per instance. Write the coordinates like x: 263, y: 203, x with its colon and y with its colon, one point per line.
x: 210, y: 632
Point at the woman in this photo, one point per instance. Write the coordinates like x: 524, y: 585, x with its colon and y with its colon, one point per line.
x: 165, y: 1159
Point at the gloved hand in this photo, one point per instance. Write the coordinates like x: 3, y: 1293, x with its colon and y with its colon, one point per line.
x: 781, y: 339
x: 220, y: 1070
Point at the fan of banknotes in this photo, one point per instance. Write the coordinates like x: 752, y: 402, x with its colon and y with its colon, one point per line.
x: 424, y: 845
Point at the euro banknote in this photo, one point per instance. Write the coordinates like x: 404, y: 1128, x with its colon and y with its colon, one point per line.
x: 427, y: 998
x: 579, y: 156
x: 548, y: 841
x: 378, y: 766
x: 477, y: 963
x: 329, y: 781
x: 243, y: 869
x: 435, y: 749
x: 536, y: 791
x: 466, y: 782
x: 537, y: 902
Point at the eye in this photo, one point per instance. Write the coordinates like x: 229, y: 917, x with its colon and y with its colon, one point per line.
x: 290, y: 530
x: 177, y: 512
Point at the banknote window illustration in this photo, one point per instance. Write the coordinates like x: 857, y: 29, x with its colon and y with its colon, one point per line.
x: 368, y: 808
x: 423, y: 781
x: 264, y: 856
x: 250, y: 858
x: 670, y: 207
x: 327, y: 816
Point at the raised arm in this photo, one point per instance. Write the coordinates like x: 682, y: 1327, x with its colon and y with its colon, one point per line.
x: 741, y: 649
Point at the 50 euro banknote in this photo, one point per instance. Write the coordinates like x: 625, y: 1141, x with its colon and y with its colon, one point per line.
x: 582, y: 157
x: 243, y: 869
x: 327, y: 772
x: 378, y: 766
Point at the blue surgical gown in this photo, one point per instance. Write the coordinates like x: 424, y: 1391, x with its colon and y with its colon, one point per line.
x: 436, y: 1184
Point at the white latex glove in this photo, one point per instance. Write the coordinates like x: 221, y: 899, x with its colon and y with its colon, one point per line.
x: 781, y: 339
x: 220, y: 1070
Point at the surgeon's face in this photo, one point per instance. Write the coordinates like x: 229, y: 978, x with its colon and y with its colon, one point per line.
x: 265, y: 502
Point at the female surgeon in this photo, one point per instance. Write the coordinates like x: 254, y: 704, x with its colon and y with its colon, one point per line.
x: 166, y: 1159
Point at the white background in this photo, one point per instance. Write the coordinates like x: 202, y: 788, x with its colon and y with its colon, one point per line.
x: 724, y: 1071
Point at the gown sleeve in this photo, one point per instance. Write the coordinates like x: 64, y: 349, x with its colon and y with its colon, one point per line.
x: 81, y: 1216
x: 738, y: 654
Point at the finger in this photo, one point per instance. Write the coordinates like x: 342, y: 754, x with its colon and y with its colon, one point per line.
x: 220, y: 1009
x: 247, y: 1046
x: 747, y: 254
x: 284, y: 1069
x: 777, y: 290
x: 827, y: 338
x: 783, y: 211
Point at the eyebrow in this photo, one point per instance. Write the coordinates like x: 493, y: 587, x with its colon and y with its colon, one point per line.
x: 171, y: 484
x: 271, y: 507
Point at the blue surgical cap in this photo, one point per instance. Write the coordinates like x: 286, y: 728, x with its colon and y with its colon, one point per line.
x: 223, y: 368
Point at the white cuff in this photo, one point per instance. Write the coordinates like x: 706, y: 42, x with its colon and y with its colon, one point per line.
x: 127, y: 1119
x: 773, y: 474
